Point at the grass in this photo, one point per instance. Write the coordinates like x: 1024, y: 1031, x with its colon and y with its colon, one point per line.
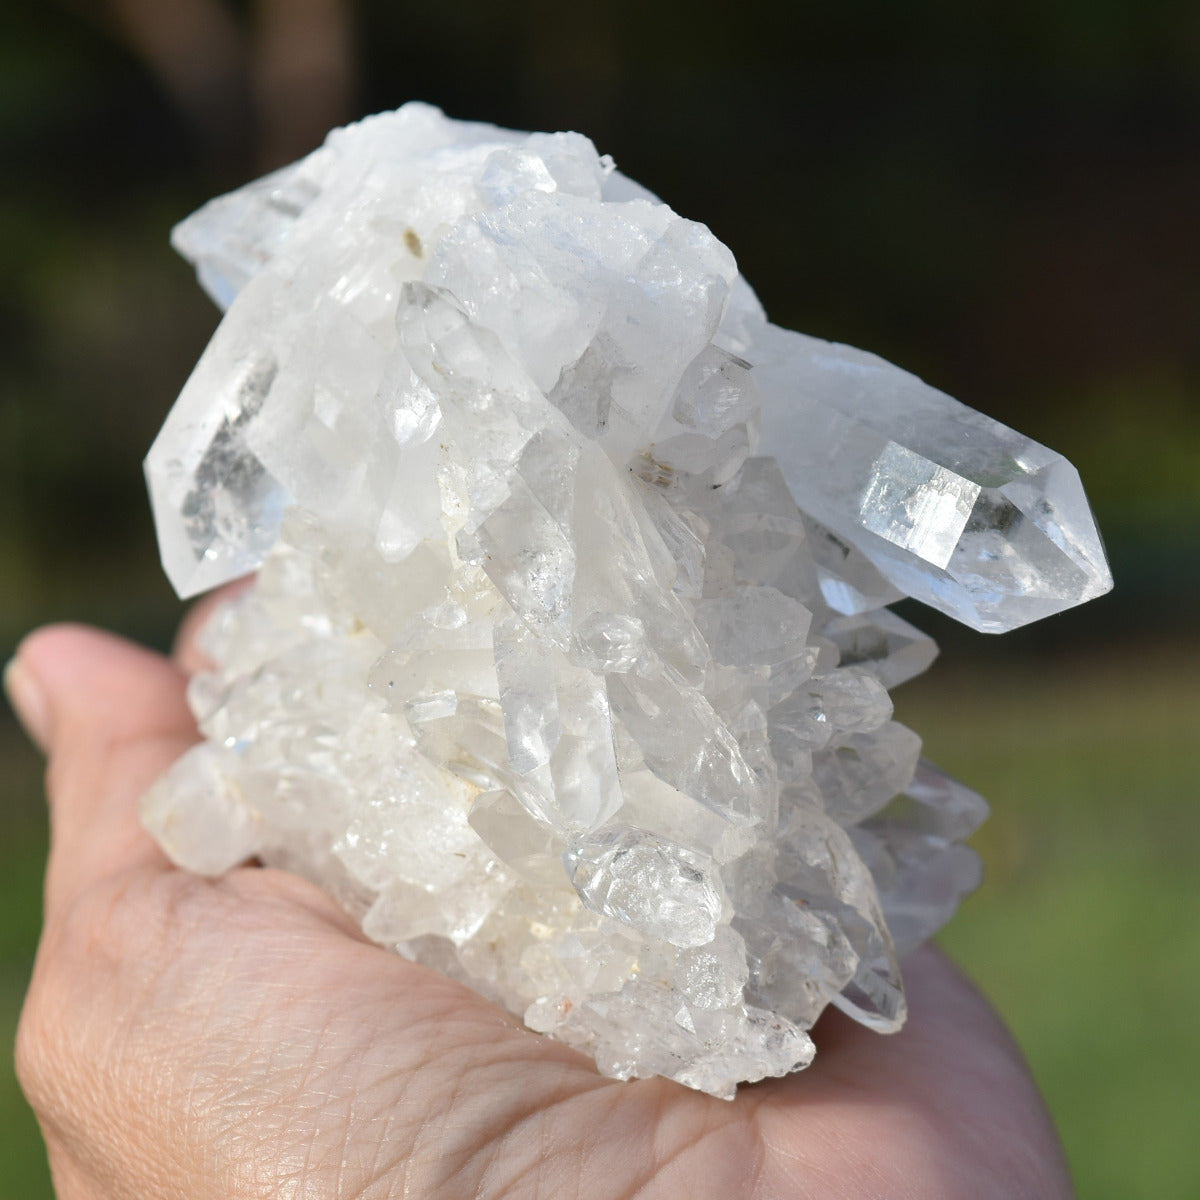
x: 24, y: 1175
x: 1084, y: 933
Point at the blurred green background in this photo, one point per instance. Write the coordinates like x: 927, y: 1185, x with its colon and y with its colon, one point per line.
x: 1004, y: 198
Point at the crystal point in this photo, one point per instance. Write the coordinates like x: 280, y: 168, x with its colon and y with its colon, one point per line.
x: 566, y: 666
x: 952, y: 507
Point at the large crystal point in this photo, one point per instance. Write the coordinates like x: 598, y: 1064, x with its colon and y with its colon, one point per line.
x: 954, y: 508
x: 216, y: 505
x: 566, y: 668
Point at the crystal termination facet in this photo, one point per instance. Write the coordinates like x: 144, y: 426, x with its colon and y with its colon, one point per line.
x: 548, y: 676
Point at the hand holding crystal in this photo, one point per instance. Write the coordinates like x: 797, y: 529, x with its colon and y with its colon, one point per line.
x: 237, y: 1037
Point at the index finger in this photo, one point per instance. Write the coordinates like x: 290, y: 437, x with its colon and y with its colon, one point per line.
x: 187, y: 653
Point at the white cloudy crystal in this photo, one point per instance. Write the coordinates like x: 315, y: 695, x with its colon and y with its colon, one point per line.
x: 548, y: 675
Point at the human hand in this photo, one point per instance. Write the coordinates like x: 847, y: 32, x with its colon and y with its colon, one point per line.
x: 238, y: 1037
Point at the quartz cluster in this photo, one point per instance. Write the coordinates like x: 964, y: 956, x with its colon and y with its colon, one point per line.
x: 549, y: 675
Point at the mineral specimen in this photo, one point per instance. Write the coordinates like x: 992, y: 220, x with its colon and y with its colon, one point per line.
x: 547, y: 675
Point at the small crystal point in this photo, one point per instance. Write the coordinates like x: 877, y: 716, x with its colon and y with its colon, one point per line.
x: 952, y: 507
x: 233, y: 237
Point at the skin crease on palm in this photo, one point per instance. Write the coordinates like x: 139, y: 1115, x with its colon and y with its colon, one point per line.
x: 192, y: 1038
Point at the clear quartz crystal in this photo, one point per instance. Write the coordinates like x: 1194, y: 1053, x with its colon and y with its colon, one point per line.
x: 952, y: 507
x: 567, y: 665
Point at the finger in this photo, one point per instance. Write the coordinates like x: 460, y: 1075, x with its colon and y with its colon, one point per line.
x: 187, y: 652
x: 112, y: 717
x: 942, y: 1003
x: 952, y: 1070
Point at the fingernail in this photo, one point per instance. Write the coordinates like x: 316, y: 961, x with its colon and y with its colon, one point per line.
x: 28, y: 701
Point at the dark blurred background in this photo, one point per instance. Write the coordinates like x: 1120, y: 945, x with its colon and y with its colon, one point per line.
x: 1002, y: 197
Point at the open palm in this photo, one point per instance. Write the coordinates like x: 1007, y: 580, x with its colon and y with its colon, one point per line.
x: 238, y: 1037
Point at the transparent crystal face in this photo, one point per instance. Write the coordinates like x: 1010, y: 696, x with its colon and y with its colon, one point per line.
x: 566, y: 669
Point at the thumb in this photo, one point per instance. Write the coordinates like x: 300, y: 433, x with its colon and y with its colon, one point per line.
x: 110, y: 717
